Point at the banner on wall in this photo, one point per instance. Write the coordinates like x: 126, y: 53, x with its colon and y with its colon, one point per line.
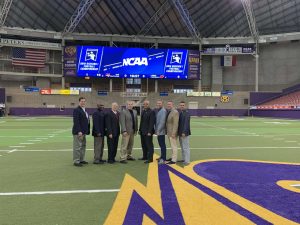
x: 228, y: 49
x: 228, y: 60
x: 49, y: 91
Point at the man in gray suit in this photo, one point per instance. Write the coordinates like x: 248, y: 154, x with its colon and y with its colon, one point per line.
x: 129, y: 127
x: 160, y: 129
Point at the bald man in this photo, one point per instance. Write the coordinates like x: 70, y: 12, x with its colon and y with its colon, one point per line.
x: 112, y: 131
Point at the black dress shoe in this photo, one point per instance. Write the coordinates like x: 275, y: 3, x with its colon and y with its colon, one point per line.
x: 171, y: 162
x: 143, y: 158
x: 84, y: 162
x: 170, y: 159
x: 110, y: 161
x: 98, y: 162
x: 180, y: 160
x: 103, y: 161
x: 148, y: 161
x: 77, y: 164
x: 123, y: 161
x: 131, y: 159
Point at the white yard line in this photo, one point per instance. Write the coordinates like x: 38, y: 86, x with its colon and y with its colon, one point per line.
x: 229, y: 129
x: 26, y: 143
x: 59, y: 192
x: 17, y: 146
x: 11, y: 151
x: 204, y: 148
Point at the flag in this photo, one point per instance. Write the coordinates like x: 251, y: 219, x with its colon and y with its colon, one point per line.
x: 29, y: 57
x: 228, y: 60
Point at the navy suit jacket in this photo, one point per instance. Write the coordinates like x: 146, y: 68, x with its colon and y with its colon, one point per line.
x: 112, y: 123
x: 81, y: 122
x: 184, y: 123
x: 98, y: 123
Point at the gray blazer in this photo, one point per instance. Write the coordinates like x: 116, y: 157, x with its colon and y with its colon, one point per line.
x: 126, y: 121
x: 160, y: 124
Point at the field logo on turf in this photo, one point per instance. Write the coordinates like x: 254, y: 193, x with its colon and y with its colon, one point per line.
x: 211, y: 192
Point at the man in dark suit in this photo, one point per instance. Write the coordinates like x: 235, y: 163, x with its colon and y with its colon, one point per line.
x: 184, y: 131
x: 81, y: 128
x: 98, y: 133
x: 146, y: 131
x: 112, y: 131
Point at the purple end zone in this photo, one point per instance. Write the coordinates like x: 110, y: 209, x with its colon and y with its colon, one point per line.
x: 256, y: 182
x: 171, y: 209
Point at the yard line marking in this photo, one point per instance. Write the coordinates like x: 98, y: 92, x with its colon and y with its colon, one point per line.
x: 35, y: 140
x: 42, y: 138
x: 14, y: 150
x: 59, y: 192
x: 224, y: 128
x: 26, y: 143
x: 11, y: 136
x: 17, y: 146
x: 203, y: 148
x: 295, y: 185
x: 290, y: 141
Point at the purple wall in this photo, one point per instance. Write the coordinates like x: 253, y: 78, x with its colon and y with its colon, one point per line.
x: 292, y: 114
x: 18, y: 111
x: 260, y: 97
x: 2, y: 95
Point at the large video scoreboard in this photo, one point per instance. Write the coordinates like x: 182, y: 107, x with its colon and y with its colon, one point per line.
x: 99, y: 61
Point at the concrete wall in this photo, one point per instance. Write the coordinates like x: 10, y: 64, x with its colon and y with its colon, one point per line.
x: 279, y: 68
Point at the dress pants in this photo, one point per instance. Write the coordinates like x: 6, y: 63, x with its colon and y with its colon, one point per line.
x: 162, y: 145
x: 98, y: 148
x: 126, y: 146
x: 173, y: 143
x: 79, y: 147
x: 112, y: 144
x: 185, y: 148
x: 147, y: 146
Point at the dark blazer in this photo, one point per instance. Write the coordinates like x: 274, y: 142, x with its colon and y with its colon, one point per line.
x: 81, y: 122
x: 184, y: 123
x: 98, y: 123
x: 112, y: 123
x: 147, y: 122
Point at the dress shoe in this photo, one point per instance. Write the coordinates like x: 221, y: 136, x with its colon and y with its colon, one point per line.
x: 161, y: 162
x: 110, y: 161
x: 78, y: 164
x: 170, y: 159
x: 131, y: 159
x: 103, y: 161
x: 84, y: 162
x: 98, y: 162
x: 180, y: 160
x: 143, y: 158
x: 171, y: 162
x: 158, y: 159
x: 148, y: 161
x: 123, y: 161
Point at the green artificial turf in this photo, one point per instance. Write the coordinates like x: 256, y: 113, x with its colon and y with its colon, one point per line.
x: 46, y: 165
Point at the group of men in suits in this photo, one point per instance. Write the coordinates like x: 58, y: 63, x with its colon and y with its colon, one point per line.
x: 112, y: 124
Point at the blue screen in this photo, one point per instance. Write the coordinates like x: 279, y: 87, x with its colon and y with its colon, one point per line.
x: 98, y: 61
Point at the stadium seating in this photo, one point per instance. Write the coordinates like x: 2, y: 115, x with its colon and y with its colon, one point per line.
x: 288, y: 101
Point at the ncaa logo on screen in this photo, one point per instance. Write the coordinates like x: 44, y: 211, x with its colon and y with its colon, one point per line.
x: 91, y: 54
x: 176, y: 57
x: 138, y: 61
x: 135, y: 61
